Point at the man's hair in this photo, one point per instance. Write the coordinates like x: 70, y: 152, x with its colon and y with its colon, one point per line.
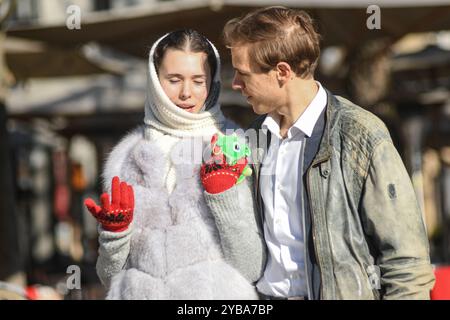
x: 277, y: 34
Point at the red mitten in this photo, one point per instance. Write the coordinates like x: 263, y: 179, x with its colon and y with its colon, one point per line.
x: 117, y: 215
x: 218, y: 176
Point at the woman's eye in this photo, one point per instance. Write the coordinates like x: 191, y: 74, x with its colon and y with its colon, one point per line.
x: 199, y: 83
x: 174, y: 80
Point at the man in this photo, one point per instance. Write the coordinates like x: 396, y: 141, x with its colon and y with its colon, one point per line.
x: 339, y: 213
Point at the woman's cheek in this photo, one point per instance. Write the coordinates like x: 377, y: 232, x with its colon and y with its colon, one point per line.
x: 201, y: 93
x: 171, y: 90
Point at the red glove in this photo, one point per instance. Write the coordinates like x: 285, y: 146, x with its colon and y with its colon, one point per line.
x: 218, y: 176
x: 117, y: 215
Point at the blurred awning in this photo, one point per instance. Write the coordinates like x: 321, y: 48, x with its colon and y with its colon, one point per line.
x: 37, y: 59
x: 132, y: 30
x: 430, y: 57
x: 422, y: 76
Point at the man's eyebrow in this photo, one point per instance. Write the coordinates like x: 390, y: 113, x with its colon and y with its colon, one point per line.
x: 240, y: 71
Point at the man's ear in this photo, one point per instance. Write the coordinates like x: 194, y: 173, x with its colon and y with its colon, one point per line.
x: 284, y: 72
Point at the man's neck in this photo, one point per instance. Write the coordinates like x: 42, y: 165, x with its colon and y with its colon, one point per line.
x: 299, y: 96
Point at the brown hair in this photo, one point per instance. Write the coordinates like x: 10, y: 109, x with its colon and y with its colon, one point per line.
x: 277, y: 34
x: 185, y: 39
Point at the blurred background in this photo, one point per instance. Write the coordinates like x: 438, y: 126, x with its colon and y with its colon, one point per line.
x: 67, y: 95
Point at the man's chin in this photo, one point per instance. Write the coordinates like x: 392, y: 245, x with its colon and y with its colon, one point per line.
x: 258, y: 111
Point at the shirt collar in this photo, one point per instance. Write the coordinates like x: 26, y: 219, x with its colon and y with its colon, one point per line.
x: 306, y: 122
x: 272, y: 123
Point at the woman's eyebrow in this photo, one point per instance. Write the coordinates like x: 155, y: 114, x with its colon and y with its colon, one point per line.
x: 199, y: 76
x: 182, y: 76
x: 175, y: 75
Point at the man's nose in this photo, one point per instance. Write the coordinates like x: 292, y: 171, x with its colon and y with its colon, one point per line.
x: 237, y: 83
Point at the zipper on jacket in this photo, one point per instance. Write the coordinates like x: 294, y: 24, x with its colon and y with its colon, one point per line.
x: 303, y: 213
x: 312, y: 230
x: 305, y: 241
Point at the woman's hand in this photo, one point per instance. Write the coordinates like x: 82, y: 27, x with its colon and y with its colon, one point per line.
x: 219, y: 174
x: 218, y: 177
x: 116, y: 215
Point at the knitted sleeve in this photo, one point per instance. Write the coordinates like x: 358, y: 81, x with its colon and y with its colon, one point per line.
x: 114, y: 248
x: 238, y: 223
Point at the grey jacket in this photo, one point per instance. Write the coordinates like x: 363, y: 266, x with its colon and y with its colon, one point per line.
x: 364, y: 233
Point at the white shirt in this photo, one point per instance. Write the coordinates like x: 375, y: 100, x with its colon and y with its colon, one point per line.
x: 281, y: 190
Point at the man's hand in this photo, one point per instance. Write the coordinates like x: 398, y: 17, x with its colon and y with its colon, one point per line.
x: 116, y: 215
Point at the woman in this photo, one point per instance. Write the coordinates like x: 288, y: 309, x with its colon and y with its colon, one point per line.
x: 173, y: 239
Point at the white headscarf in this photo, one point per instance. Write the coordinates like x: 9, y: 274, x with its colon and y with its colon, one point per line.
x: 163, y: 115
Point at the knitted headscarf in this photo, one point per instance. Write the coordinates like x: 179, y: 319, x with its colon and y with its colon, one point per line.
x: 163, y: 115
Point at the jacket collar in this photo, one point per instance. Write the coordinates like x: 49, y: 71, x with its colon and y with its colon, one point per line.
x: 331, y: 117
x: 322, y: 129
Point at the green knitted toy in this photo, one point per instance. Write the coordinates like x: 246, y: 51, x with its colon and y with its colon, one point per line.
x: 233, y: 150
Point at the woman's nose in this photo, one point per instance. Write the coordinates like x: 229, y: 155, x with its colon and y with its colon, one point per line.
x: 237, y: 83
x: 185, y: 92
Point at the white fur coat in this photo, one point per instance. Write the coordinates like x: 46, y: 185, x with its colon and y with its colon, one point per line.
x: 172, y: 249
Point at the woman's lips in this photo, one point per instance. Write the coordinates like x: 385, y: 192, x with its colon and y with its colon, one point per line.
x: 187, y: 107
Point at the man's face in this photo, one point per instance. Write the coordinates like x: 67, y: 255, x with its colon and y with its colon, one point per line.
x: 262, y: 90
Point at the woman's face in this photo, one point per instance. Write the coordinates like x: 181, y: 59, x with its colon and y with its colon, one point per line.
x: 185, y: 77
